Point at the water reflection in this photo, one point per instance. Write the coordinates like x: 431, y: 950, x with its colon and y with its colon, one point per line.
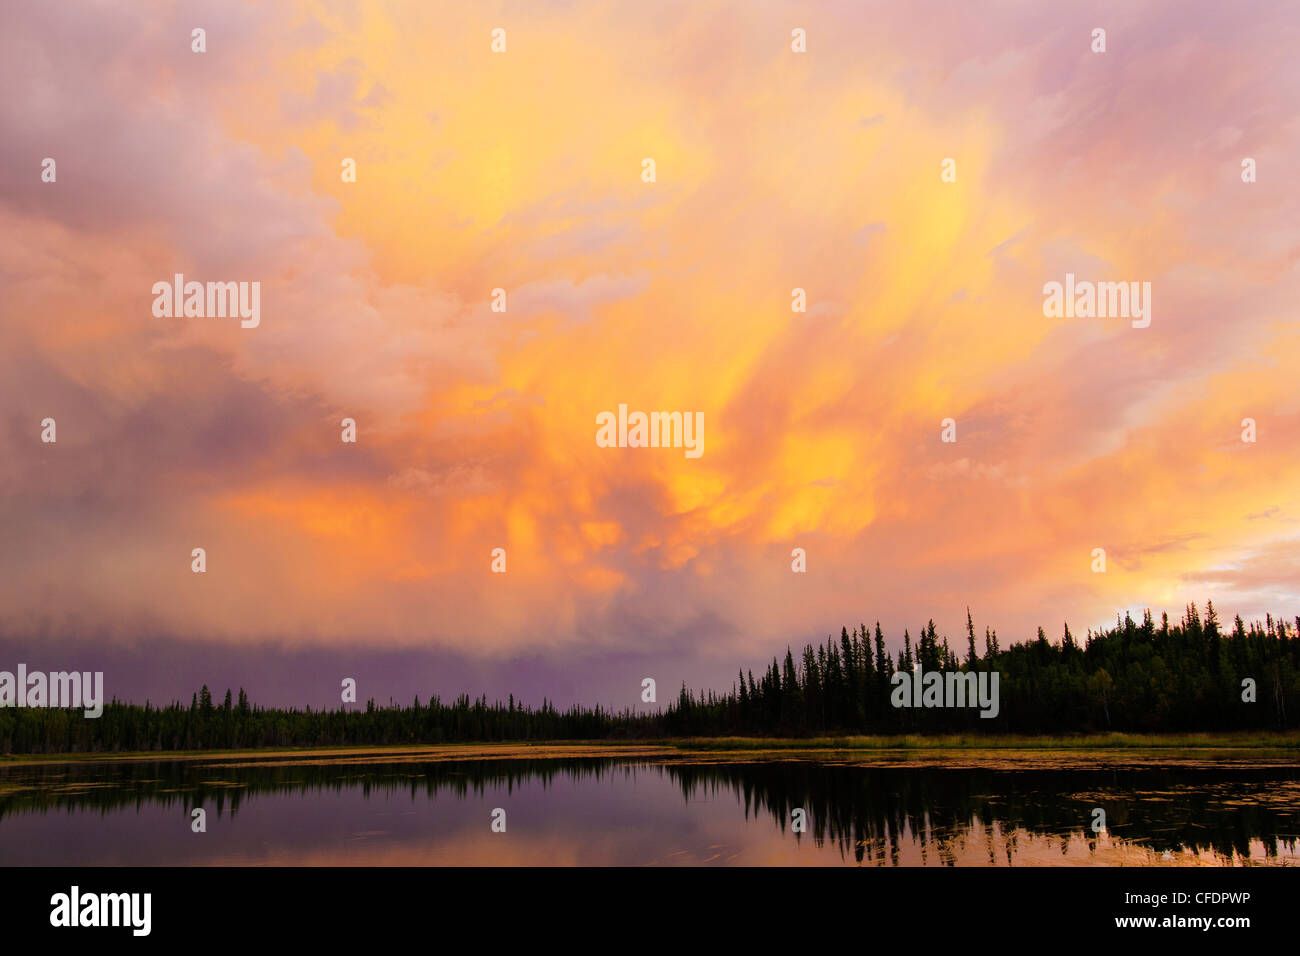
x: 638, y: 812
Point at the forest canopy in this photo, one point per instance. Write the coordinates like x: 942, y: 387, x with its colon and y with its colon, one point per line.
x: 1136, y: 677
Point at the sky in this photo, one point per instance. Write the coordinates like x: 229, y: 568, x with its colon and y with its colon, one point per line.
x: 523, y: 170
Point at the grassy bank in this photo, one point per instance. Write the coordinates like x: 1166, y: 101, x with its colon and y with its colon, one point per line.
x: 1204, y: 741
x: 509, y: 749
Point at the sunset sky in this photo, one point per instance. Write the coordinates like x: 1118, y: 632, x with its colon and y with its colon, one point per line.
x: 476, y: 429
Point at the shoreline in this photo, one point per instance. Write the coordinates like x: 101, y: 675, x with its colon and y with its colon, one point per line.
x: 930, y: 746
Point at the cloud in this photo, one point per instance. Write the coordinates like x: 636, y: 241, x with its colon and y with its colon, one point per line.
x: 476, y: 429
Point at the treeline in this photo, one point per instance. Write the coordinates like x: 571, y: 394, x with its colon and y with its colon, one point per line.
x: 205, y: 725
x: 1145, y: 677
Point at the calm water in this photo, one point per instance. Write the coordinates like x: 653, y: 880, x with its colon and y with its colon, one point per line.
x: 650, y: 811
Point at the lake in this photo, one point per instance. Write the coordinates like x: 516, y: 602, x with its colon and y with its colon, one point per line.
x: 656, y: 806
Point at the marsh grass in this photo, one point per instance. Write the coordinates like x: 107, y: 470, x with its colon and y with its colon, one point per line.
x: 1289, y: 740
x: 1254, y: 740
